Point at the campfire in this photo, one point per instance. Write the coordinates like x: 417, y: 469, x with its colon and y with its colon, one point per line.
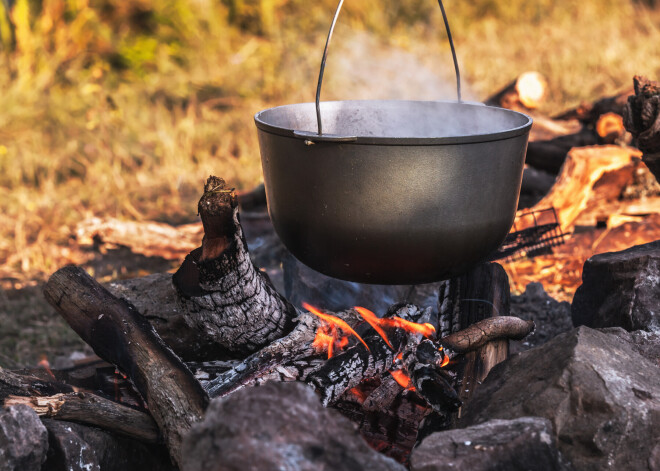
x: 400, y: 369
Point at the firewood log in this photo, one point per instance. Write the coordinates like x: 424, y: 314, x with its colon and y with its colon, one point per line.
x: 589, y: 112
x: 118, y: 334
x: 550, y: 155
x: 28, y: 385
x: 525, y: 93
x: 574, y: 186
x: 90, y: 409
x: 225, y: 298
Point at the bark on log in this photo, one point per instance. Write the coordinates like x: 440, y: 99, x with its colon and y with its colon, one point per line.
x: 479, y: 334
x: 525, y: 93
x: 225, y: 298
x: 149, y: 238
x: 118, y: 334
x: 642, y: 120
x: 90, y: 409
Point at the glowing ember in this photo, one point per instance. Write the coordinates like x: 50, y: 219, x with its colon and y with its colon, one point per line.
x: 359, y: 394
x: 328, y: 336
x: 402, y: 378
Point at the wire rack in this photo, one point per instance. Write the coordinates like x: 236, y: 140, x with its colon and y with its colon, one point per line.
x: 537, y: 239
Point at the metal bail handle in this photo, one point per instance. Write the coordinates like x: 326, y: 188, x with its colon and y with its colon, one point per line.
x: 325, y: 56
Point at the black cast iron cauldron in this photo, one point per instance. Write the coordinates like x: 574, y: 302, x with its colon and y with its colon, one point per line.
x: 395, y: 192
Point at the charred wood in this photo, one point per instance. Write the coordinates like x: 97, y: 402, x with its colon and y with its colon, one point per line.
x: 642, y: 120
x: 90, y: 409
x: 589, y: 112
x: 226, y: 299
x: 118, y: 334
x: 481, y: 294
x: 13, y: 384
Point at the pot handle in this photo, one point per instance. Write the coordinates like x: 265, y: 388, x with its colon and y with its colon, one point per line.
x: 325, y: 56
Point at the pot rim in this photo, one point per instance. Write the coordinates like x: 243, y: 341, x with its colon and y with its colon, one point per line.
x: 395, y: 141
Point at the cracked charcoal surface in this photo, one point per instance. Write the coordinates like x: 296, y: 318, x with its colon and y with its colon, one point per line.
x: 239, y: 310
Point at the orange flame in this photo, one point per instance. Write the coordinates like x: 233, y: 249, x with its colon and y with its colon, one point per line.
x: 427, y: 330
x: 45, y: 364
x: 445, y: 361
x: 374, y: 321
x: 327, y: 335
x: 402, y: 378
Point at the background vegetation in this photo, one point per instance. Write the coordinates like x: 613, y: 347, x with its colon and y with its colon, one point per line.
x: 123, y: 107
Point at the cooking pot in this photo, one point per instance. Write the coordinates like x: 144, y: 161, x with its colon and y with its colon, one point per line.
x: 392, y: 192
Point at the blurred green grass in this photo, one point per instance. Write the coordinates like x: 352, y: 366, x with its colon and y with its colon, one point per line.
x: 122, y: 108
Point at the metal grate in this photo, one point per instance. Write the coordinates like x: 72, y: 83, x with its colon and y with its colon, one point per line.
x: 538, y: 239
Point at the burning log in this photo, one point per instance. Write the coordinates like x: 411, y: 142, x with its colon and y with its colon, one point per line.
x: 642, y: 119
x: 523, y: 94
x: 91, y: 409
x: 222, y: 299
x: 118, y: 334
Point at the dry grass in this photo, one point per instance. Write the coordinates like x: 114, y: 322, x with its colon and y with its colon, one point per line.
x: 123, y: 108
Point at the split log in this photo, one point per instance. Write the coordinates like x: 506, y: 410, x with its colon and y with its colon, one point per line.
x: 155, y: 239
x: 90, y: 409
x: 118, y: 334
x: 642, y: 120
x: 523, y: 94
x: 582, y: 169
x: 12, y: 384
